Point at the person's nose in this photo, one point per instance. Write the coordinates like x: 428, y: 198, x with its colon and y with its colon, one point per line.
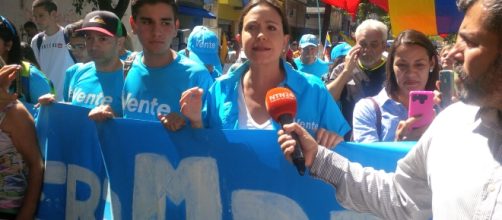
x: 261, y: 35
x: 457, y: 52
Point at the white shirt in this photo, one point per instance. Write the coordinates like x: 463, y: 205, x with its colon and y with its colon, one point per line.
x: 54, y: 58
x: 454, y: 171
x: 245, y: 119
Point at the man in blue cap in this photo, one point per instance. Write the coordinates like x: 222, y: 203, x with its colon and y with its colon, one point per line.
x: 338, y: 53
x: 202, y: 47
x: 308, y: 61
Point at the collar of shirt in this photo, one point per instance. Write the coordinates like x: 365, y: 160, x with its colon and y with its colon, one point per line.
x: 293, y: 78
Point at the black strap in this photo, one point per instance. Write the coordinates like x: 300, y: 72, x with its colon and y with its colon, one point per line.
x: 40, y: 39
x: 128, y: 63
x: 378, y: 118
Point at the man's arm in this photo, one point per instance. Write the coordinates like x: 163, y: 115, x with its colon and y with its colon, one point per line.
x: 404, y: 194
x: 343, y: 73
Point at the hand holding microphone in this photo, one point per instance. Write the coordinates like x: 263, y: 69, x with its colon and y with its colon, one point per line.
x: 281, y: 106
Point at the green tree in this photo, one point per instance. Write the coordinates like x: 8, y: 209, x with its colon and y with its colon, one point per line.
x: 105, y: 5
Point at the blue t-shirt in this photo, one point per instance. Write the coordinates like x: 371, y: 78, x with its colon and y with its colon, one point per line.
x: 90, y: 88
x: 70, y: 72
x: 37, y: 83
x: 315, y: 106
x: 151, y: 91
x: 318, y: 67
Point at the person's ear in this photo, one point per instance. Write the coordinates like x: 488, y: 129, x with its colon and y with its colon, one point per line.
x: 121, y: 41
x: 285, y: 44
x: 177, y: 24
x: 8, y: 46
x: 238, y: 38
x: 133, y: 24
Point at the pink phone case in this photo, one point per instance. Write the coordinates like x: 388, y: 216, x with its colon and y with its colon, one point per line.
x: 421, y: 103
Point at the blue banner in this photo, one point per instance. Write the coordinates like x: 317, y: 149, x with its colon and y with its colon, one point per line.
x: 75, y: 178
x: 190, y: 174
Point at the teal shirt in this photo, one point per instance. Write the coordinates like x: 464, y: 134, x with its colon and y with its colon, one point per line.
x: 317, y: 68
x: 315, y: 106
x: 91, y: 88
x: 151, y: 91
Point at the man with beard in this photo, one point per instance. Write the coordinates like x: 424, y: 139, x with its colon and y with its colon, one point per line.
x: 455, y: 170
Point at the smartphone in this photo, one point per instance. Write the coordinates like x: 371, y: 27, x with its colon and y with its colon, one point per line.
x: 447, y: 89
x: 421, y: 103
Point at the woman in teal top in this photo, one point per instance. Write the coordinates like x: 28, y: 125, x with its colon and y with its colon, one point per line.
x: 237, y: 100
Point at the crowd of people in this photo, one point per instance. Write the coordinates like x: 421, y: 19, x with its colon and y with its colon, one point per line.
x: 360, y: 93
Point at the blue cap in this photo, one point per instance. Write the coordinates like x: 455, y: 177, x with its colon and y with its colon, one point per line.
x: 203, y: 45
x: 341, y: 49
x: 308, y: 40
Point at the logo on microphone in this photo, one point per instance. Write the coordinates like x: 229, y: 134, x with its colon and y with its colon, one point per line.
x: 281, y: 96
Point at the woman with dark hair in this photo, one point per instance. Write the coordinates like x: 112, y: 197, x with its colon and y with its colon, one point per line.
x: 32, y: 83
x: 21, y: 166
x: 412, y: 65
x: 237, y: 100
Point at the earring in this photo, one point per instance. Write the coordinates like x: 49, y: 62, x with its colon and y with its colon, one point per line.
x: 430, y: 70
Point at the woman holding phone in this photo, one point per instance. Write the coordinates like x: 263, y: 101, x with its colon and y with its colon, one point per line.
x: 412, y: 65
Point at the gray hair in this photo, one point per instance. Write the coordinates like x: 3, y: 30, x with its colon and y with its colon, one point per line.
x: 493, y: 15
x: 372, y: 24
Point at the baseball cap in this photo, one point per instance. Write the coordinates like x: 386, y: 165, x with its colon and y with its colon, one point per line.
x: 103, y: 21
x: 341, y: 49
x: 203, y: 45
x: 308, y: 40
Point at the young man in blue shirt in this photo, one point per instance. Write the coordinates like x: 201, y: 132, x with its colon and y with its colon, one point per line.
x: 158, y: 76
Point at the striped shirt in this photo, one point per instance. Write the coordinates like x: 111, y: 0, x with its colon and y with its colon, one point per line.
x: 454, y: 171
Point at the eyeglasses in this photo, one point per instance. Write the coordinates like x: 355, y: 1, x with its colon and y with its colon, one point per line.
x: 8, y: 24
x: 75, y: 47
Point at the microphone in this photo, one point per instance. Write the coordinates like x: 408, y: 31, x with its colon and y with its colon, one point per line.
x: 281, y: 106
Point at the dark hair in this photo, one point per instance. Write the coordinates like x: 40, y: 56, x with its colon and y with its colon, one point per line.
x: 48, y: 5
x: 29, y: 24
x: 71, y: 29
x: 8, y: 33
x: 137, y: 4
x: 27, y: 54
x: 273, y: 4
x: 492, y: 17
x: 411, y: 37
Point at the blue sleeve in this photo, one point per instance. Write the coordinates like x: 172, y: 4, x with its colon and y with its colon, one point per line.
x: 67, y: 79
x: 332, y: 116
x: 39, y: 84
x: 364, y: 121
x: 209, y: 109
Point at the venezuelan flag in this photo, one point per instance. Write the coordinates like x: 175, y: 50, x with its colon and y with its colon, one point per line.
x: 432, y: 17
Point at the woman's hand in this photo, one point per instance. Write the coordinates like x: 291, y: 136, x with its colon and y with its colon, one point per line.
x: 191, y: 106
x: 287, y: 143
x: 7, y: 75
x: 101, y: 113
x: 405, y: 132
x: 327, y: 139
x: 172, y: 121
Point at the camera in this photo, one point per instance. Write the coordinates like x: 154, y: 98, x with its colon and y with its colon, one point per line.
x: 420, y: 97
